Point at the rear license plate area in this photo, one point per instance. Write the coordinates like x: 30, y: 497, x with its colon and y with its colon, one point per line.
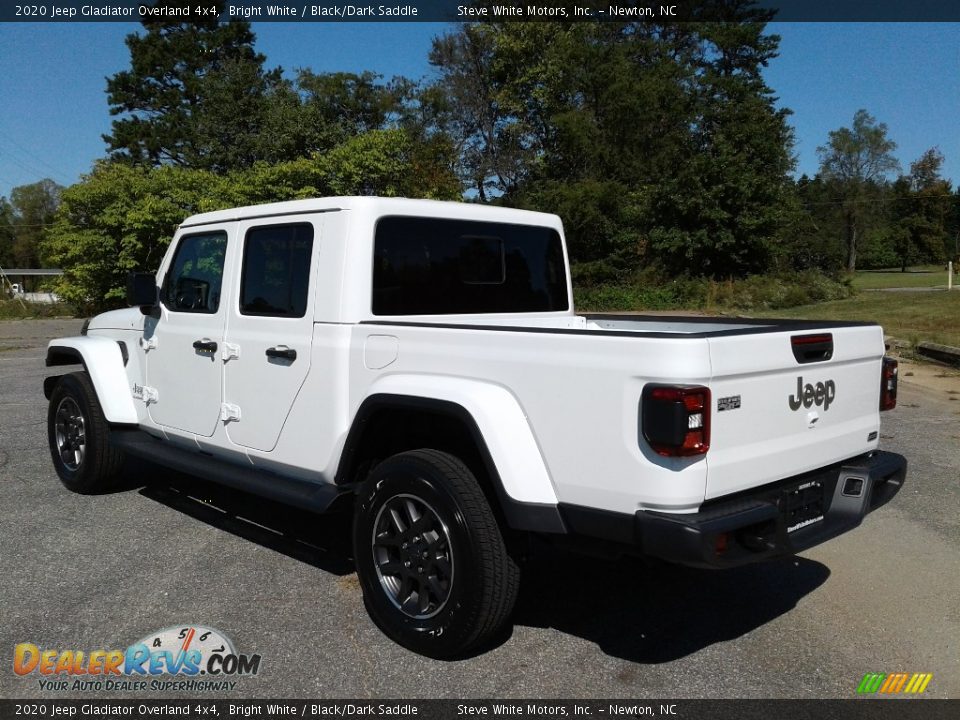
x: 803, y: 505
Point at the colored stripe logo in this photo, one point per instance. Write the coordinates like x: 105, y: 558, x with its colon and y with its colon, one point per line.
x: 894, y: 683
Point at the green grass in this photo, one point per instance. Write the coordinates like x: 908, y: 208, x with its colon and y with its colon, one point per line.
x: 919, y: 276
x: 15, y: 310
x: 908, y: 316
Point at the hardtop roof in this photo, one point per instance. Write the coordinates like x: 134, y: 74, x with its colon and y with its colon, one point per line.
x: 377, y: 206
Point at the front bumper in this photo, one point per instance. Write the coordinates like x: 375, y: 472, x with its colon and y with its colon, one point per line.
x: 782, y: 518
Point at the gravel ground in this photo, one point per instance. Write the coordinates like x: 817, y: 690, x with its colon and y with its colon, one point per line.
x: 102, y: 572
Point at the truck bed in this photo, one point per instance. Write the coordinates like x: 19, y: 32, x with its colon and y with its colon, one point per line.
x: 579, y: 379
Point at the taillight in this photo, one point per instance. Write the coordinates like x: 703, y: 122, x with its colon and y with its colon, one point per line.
x: 888, y: 384
x: 675, y: 419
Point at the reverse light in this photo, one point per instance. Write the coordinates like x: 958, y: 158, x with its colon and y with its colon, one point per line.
x: 888, y: 384
x: 675, y: 419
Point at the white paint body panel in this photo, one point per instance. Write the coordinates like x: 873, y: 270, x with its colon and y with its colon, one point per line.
x: 188, y: 383
x: 576, y: 397
x: 555, y: 395
x: 754, y: 444
x: 104, y: 363
x: 498, y: 415
x: 265, y: 388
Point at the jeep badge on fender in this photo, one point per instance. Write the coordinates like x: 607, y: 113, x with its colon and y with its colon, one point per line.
x: 807, y: 395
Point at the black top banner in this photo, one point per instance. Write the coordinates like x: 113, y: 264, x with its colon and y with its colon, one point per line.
x: 478, y: 10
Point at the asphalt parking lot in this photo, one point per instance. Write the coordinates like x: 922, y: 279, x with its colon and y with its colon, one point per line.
x: 101, y: 572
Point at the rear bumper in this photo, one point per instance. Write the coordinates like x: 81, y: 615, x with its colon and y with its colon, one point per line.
x: 782, y: 518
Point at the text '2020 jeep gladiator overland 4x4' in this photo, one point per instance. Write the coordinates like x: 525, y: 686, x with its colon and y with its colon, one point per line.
x: 424, y: 360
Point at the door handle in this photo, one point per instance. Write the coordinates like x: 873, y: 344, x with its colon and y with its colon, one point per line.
x: 282, y: 351
x: 205, y: 345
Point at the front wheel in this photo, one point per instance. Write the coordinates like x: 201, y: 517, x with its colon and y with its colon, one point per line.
x: 435, y: 573
x: 78, y: 435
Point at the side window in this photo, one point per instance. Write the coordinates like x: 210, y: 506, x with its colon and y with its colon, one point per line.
x: 439, y: 266
x: 193, y: 282
x: 276, y: 270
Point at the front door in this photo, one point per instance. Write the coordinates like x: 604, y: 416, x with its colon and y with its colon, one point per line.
x: 269, y: 329
x: 184, y: 369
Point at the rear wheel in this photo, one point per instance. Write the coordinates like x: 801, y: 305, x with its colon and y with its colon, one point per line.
x: 78, y: 435
x: 435, y: 573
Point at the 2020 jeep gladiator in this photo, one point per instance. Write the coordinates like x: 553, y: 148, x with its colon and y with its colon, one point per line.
x: 423, y: 360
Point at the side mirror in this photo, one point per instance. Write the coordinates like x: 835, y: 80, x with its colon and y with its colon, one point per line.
x: 142, y: 291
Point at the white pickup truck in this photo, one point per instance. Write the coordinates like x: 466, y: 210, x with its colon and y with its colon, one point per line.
x: 422, y: 360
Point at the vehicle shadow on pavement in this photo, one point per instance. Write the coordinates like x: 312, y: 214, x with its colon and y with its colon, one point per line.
x: 634, y: 610
x: 655, y: 613
x: 323, y: 542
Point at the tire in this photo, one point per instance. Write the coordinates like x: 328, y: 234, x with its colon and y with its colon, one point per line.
x: 425, y: 506
x: 79, y: 437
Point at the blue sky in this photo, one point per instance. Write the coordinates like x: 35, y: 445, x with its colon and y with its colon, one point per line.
x: 53, y: 107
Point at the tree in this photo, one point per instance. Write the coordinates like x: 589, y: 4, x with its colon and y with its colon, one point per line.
x: 195, y: 95
x: 857, y: 158
x: 922, y: 211
x: 28, y: 214
x: 658, y: 142
x: 467, y: 102
x: 338, y: 106
x: 725, y: 203
x: 379, y: 162
x: 816, y: 234
x: 813, y: 232
x: 317, y: 112
x: 6, y: 234
x: 121, y: 217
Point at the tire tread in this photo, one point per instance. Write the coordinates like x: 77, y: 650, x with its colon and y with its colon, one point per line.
x: 497, y: 566
x: 495, y: 572
x: 104, y: 461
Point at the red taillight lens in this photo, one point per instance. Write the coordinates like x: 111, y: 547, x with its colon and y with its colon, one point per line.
x: 675, y: 420
x: 888, y: 384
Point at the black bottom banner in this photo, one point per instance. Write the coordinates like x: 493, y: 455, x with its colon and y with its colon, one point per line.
x: 895, y: 709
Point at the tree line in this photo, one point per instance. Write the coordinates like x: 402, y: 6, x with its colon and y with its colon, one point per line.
x: 660, y: 145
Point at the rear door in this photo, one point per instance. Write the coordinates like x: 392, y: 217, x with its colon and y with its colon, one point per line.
x: 269, y: 328
x: 785, y: 403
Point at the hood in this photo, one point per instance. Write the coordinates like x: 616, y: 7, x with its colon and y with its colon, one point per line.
x: 126, y: 319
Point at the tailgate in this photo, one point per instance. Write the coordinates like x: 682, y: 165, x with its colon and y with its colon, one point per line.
x: 762, y: 431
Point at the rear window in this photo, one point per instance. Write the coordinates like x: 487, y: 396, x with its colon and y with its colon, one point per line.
x: 433, y: 266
